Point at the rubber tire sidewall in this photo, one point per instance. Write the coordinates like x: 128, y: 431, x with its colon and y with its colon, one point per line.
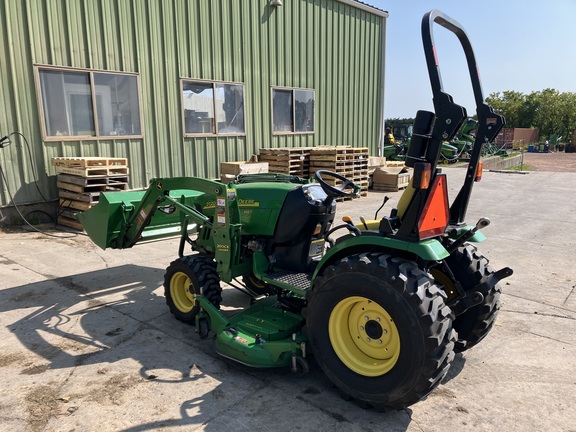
x: 414, y: 375
x: 471, y: 268
x: 201, y: 270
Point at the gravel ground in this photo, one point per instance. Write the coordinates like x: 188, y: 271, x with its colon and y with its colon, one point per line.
x: 551, y: 162
x: 87, y: 342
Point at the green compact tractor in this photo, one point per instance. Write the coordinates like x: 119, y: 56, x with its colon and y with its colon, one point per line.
x: 382, y: 308
x: 461, y: 143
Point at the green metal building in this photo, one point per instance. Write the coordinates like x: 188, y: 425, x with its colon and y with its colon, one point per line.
x: 179, y: 86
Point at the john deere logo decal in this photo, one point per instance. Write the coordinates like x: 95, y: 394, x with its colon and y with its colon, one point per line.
x: 248, y: 203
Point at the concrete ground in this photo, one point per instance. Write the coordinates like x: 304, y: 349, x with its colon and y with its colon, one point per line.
x: 87, y: 342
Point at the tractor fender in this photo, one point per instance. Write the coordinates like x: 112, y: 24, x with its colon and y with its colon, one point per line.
x: 478, y: 237
x: 428, y: 250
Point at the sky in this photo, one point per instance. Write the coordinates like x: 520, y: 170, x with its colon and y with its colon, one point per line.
x: 523, y: 46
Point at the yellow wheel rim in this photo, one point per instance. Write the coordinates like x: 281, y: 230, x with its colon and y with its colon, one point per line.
x: 364, y: 336
x: 180, y: 286
x: 256, y: 283
x: 445, y: 281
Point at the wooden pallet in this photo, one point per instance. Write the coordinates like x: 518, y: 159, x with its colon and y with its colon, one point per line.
x: 339, y: 157
x: 349, y: 198
x: 67, y: 217
x: 91, y: 184
x: 346, y: 198
x: 70, y: 222
x: 339, y: 150
x: 347, y: 161
x: 85, y: 162
x: 350, y: 162
x: 322, y: 163
x: 73, y: 204
x: 80, y: 180
x: 293, y: 160
x: 287, y: 167
x: 88, y: 197
x: 93, y: 171
x: 395, y: 163
x: 387, y: 188
x: 91, y: 189
x: 286, y: 151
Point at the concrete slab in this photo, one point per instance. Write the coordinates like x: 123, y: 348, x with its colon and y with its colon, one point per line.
x: 87, y: 342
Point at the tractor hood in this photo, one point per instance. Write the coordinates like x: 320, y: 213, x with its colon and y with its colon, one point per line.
x: 259, y: 205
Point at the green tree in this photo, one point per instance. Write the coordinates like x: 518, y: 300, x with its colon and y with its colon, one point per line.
x: 552, y: 112
x: 509, y: 103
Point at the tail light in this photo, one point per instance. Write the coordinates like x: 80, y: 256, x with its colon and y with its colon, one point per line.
x: 422, y: 175
x: 478, y: 175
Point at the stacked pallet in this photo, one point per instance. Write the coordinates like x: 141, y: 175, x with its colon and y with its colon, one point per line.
x: 293, y: 161
x: 350, y: 162
x: 81, y: 180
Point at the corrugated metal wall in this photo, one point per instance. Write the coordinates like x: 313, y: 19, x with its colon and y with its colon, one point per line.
x: 325, y: 45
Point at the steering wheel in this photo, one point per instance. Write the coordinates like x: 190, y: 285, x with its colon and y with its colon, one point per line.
x: 347, y: 189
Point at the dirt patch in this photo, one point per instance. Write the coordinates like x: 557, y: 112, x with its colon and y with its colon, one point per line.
x: 112, y: 390
x: 8, y: 359
x: 551, y: 162
x: 35, y: 369
x: 42, y: 404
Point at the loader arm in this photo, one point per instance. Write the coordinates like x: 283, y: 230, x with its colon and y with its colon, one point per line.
x: 122, y: 219
x: 158, y: 194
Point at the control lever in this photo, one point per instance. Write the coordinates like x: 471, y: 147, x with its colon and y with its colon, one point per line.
x: 386, y: 198
x: 349, y: 225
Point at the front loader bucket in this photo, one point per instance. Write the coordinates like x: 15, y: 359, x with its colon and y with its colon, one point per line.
x: 104, y: 222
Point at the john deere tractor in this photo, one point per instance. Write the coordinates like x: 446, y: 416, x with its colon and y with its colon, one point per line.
x: 382, y: 305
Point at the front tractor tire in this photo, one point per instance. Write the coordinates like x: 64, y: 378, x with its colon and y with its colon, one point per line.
x: 187, y: 277
x: 380, y: 330
x: 470, y: 268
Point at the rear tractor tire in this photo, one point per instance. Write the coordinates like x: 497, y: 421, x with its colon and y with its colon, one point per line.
x: 187, y: 277
x: 380, y: 330
x: 470, y: 268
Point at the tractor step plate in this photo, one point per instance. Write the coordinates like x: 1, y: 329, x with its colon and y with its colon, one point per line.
x: 300, y: 280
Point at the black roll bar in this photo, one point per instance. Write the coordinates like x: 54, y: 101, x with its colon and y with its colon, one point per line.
x: 489, y: 123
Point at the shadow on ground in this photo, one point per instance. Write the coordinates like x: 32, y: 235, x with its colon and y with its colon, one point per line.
x: 101, y: 317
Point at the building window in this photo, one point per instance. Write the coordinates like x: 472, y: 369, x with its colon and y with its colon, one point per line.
x: 213, y: 108
x: 77, y: 103
x: 292, y: 110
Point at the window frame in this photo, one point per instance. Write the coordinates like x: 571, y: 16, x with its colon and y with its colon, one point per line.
x: 97, y: 136
x: 213, y: 83
x: 293, y: 90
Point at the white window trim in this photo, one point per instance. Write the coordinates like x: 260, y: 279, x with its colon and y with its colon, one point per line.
x: 213, y: 82
x: 97, y: 136
x: 292, y: 89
